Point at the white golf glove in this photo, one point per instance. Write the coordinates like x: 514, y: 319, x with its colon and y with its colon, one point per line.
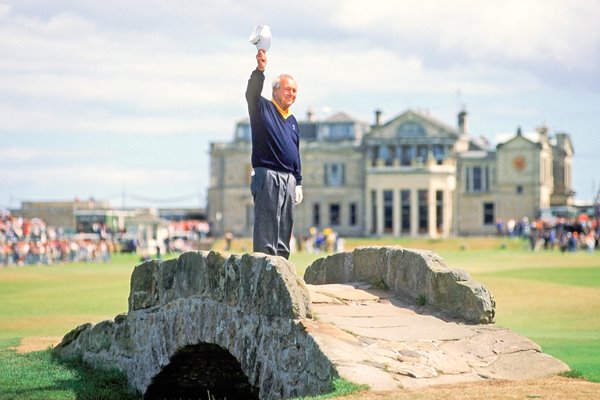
x: 298, y: 198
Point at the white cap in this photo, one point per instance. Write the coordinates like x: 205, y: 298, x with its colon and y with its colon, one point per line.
x: 261, y: 37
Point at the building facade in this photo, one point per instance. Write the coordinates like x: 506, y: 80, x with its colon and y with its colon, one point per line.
x: 412, y: 176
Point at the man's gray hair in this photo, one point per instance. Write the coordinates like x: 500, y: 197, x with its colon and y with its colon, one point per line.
x: 277, y: 82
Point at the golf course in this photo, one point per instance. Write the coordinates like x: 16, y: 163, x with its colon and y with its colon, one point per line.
x: 551, y: 297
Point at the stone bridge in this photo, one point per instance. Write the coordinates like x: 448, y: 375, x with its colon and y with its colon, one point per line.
x: 244, y: 327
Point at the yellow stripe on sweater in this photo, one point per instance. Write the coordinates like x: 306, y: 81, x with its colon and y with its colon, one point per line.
x: 284, y: 114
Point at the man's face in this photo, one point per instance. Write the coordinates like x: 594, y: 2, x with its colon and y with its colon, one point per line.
x: 285, y: 95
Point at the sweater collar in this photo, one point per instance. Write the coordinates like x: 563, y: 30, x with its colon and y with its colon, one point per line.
x: 284, y: 114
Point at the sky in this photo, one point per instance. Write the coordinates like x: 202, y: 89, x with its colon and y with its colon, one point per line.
x: 119, y: 100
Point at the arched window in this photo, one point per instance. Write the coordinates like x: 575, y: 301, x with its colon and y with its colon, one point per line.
x: 411, y: 129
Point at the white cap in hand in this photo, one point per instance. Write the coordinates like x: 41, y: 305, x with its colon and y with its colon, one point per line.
x: 261, y: 37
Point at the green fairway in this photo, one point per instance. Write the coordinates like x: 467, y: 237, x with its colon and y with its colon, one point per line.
x: 49, y: 301
x: 570, y: 276
x: 551, y: 297
x: 557, y: 307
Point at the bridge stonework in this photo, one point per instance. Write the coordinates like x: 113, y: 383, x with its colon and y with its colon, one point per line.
x: 252, y: 306
x: 387, y: 317
x: 419, y: 275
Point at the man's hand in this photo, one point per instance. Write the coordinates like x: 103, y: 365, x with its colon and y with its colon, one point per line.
x: 298, y: 195
x: 261, y: 60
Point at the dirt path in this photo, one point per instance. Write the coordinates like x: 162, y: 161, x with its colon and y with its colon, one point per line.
x: 37, y: 343
x: 553, y: 388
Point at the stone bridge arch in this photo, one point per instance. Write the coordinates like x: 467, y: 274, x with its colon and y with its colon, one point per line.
x: 202, y: 371
x: 251, y: 306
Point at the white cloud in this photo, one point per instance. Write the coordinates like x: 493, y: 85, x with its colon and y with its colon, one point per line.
x: 80, y: 68
x: 550, y: 31
x: 82, y: 175
x: 4, y: 10
x: 15, y: 154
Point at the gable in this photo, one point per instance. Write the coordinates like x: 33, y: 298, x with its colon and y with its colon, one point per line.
x: 413, y: 126
x: 518, y: 142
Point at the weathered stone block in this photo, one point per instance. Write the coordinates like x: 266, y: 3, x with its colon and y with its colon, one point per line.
x: 191, y: 273
x: 369, y: 264
x: 166, y: 281
x: 420, y: 276
x: 144, y: 288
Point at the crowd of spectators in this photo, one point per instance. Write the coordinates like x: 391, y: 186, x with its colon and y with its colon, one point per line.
x: 562, y: 233
x: 317, y: 241
x: 30, y: 241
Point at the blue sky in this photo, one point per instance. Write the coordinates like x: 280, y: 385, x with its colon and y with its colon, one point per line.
x: 120, y: 100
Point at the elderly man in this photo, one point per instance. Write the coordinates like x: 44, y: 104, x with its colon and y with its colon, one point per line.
x: 276, y: 178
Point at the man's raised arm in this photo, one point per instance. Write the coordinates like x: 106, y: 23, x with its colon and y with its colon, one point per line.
x: 257, y: 80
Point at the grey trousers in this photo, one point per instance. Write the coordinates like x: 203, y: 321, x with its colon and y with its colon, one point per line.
x: 273, y: 194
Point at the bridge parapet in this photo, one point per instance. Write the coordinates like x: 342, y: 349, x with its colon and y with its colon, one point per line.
x: 253, y: 283
x: 253, y: 307
x: 419, y: 275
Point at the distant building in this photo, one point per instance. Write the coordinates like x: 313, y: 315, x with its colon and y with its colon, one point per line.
x: 412, y: 176
x: 60, y: 213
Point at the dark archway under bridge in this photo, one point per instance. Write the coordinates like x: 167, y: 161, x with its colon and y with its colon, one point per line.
x: 204, y: 372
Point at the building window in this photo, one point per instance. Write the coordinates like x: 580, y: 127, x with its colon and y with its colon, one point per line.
x: 407, y: 155
x: 405, y: 211
x: 353, y: 216
x: 386, y: 153
x: 422, y: 153
x: 388, y: 211
x: 335, y: 174
x: 374, y: 155
x: 373, y: 211
x: 334, y: 214
x: 391, y: 156
x: 519, y: 189
x: 488, y: 214
x: 438, y: 153
x: 423, y: 200
x: 243, y: 132
x: 477, y: 179
x: 439, y: 210
x: 316, y: 215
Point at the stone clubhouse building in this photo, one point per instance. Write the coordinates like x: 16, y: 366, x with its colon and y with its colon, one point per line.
x: 410, y: 176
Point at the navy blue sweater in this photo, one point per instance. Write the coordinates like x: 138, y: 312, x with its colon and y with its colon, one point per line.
x: 275, y: 140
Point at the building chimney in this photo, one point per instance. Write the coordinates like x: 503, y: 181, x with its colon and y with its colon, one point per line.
x: 462, y: 122
x: 542, y: 130
x: 378, y: 117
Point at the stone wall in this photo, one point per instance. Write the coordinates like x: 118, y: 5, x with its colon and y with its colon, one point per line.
x: 252, y: 306
x: 421, y: 276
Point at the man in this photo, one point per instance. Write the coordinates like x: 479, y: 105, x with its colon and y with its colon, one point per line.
x: 276, y: 178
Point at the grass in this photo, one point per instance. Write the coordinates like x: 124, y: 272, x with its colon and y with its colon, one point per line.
x: 38, y: 375
x: 551, y: 297
x: 50, y: 301
x: 341, y: 387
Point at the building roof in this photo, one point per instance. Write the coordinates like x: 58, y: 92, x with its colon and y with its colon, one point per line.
x: 340, y: 117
